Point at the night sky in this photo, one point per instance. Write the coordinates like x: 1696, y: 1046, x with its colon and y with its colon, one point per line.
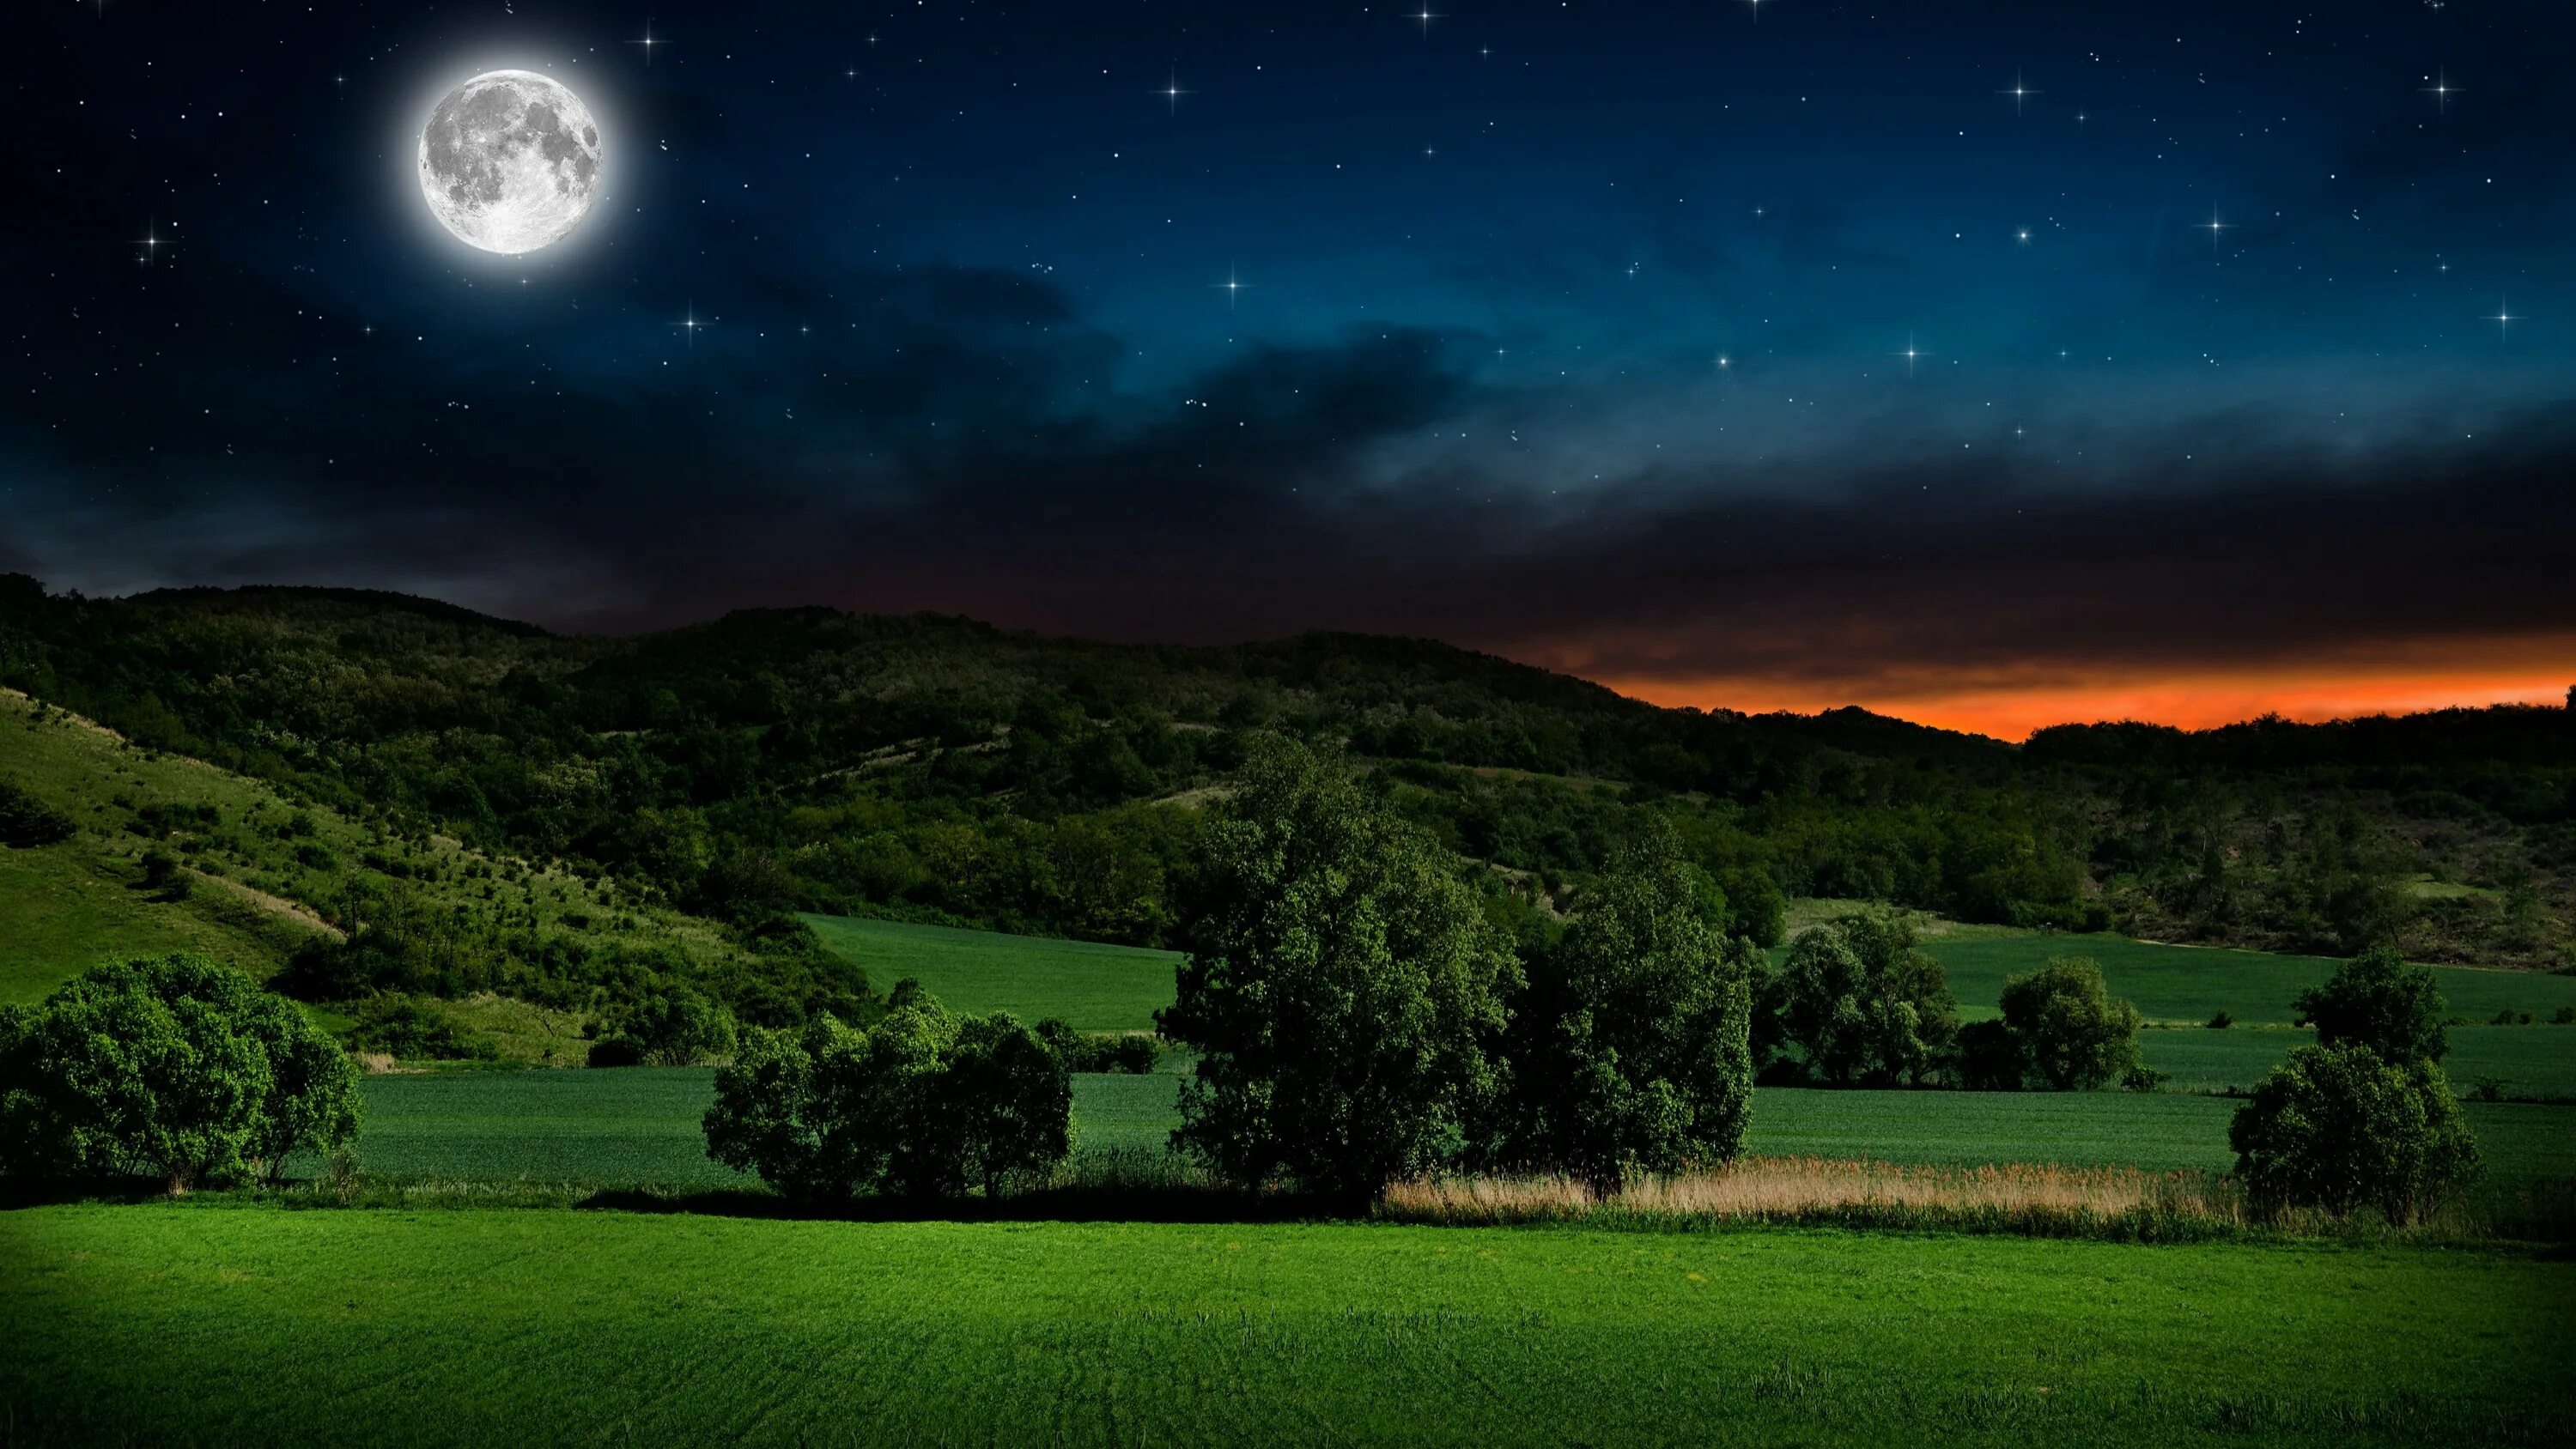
x: 1984, y: 363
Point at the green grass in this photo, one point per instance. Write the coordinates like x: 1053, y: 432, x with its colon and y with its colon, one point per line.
x: 67, y: 906
x: 640, y: 1127
x: 2188, y: 983
x: 1093, y: 987
x: 228, y: 1324
x: 2522, y: 1061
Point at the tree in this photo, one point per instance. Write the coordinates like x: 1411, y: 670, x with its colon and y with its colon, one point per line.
x: 921, y: 1103
x: 1864, y: 1004
x: 2378, y: 1001
x: 175, y: 1068
x: 27, y: 821
x: 2340, y: 1127
x: 1633, y: 1047
x: 1341, y: 986
x: 2071, y: 1034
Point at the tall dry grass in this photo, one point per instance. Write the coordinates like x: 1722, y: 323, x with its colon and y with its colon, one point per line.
x: 2019, y: 1197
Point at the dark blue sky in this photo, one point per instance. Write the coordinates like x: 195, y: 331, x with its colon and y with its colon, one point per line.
x: 1571, y: 330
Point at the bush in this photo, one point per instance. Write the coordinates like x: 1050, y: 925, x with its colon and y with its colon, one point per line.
x: 671, y: 1027
x: 28, y: 821
x: 1341, y: 985
x: 1989, y: 1057
x: 2380, y: 1002
x: 2221, y: 1021
x: 921, y: 1103
x: 2073, y: 1035
x: 164, y: 876
x: 2339, y: 1128
x: 1632, y: 1045
x: 1864, y: 1005
x: 2563, y: 1016
x: 173, y: 1068
x: 406, y: 1026
x: 1124, y: 1052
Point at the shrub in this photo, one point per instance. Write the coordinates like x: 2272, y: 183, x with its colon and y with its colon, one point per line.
x: 1865, y: 1006
x: 2563, y: 1016
x: 2221, y: 1021
x: 1341, y: 985
x: 28, y: 821
x: 2340, y: 1127
x: 2073, y: 1035
x: 921, y: 1103
x: 1125, y: 1052
x: 2378, y: 1001
x: 407, y: 1026
x: 671, y: 1027
x: 174, y: 1068
x: 1989, y: 1057
x: 1632, y: 1045
x: 164, y: 876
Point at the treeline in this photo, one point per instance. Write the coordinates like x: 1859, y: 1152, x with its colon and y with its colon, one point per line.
x: 938, y: 769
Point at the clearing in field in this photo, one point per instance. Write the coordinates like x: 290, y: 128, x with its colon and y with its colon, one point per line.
x: 1093, y: 987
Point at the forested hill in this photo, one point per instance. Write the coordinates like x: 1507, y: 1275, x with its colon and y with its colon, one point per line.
x: 942, y: 769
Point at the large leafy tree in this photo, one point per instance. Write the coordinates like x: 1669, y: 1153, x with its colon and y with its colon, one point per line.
x: 2068, y: 1030
x: 171, y: 1067
x: 1863, y: 1003
x: 2341, y: 1127
x: 1342, y: 987
x: 2378, y: 1001
x: 1632, y: 1043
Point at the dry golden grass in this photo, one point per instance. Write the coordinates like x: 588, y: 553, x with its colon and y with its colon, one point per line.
x: 1815, y: 1189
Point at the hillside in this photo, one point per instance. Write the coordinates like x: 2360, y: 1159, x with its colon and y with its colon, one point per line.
x: 942, y: 771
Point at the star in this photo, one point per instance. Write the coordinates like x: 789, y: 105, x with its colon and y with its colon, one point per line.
x: 690, y: 326
x: 1911, y: 354
x: 150, y: 242
x: 648, y: 42
x: 2504, y: 318
x: 1232, y: 286
x: 2441, y: 90
x: 2213, y: 226
x: 2022, y: 236
x: 1172, y: 92
x: 2020, y: 93
x: 1424, y: 19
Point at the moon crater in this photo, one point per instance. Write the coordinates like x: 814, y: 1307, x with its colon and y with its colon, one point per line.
x: 509, y: 161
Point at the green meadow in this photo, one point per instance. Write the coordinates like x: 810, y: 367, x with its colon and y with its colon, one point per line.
x: 229, y: 1324
x: 1092, y: 986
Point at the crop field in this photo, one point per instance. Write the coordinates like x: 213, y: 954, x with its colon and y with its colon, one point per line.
x: 2188, y: 983
x: 258, y: 1325
x: 639, y: 1126
x: 1092, y: 986
x: 2520, y: 1061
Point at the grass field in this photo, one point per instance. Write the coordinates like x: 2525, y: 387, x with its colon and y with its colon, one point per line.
x: 640, y: 1127
x: 2522, y: 1061
x: 256, y: 1325
x: 1093, y: 987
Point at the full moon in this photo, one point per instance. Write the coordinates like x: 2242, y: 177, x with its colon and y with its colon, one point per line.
x: 509, y: 161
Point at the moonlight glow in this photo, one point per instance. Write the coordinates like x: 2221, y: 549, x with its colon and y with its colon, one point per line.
x: 510, y: 161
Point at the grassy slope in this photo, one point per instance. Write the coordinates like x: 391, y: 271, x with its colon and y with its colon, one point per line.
x: 252, y: 1325
x: 639, y: 1126
x: 70, y: 905
x: 1092, y: 986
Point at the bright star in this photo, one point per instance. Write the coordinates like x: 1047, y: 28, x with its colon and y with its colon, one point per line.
x: 2441, y: 90
x: 648, y: 42
x: 2020, y: 93
x: 2504, y: 318
x: 1172, y: 92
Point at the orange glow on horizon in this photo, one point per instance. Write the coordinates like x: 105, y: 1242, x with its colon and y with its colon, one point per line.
x: 2200, y: 699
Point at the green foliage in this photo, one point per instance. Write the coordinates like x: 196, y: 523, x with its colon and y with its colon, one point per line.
x: 674, y: 1026
x: 921, y: 1103
x: 407, y: 1026
x: 2073, y: 1036
x: 1342, y: 988
x: 2380, y: 1002
x: 1862, y: 1004
x: 174, y: 1068
x: 1119, y: 1052
x: 1631, y: 1047
x: 2340, y: 1127
x: 28, y: 821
